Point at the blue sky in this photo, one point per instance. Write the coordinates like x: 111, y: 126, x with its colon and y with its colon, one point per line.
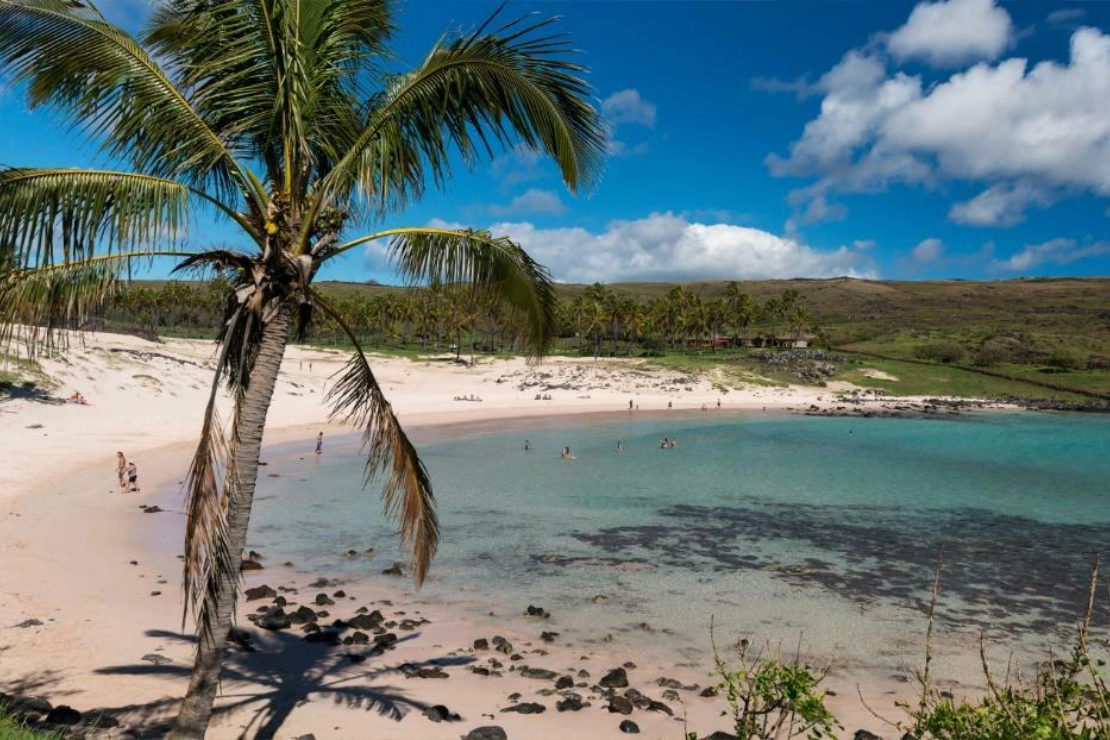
x: 961, y: 138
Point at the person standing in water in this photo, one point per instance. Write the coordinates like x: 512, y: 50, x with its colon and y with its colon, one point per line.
x: 527, y: 445
x: 320, y: 443
x: 620, y: 447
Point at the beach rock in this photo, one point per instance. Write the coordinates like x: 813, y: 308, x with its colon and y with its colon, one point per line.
x: 620, y: 705
x: 250, y: 565
x: 536, y: 611
x: 529, y: 707
x: 708, y: 691
x: 397, y: 569
x: 630, y: 665
x: 259, y: 592
x: 155, y: 593
x: 274, y: 619
x: 371, y: 621
x: 440, y: 713
x: 152, y: 509
x: 323, y: 600
x: 62, y: 715
x: 540, y: 673
x: 320, y: 583
x: 548, y: 636
x: 489, y: 732
x: 570, y: 703
x: 340, y: 594
x: 502, y: 645
x: 156, y: 659
x: 481, y: 644
x: 281, y: 601
x: 311, y: 627
x: 614, y: 679
x: 564, y: 682
x: 658, y: 706
x: 628, y: 727
x: 865, y: 735
x: 601, y: 599
x: 28, y: 705
x: 239, y: 636
x: 720, y: 735
x: 309, y: 736
x: 324, y: 637
x: 671, y: 695
x: 29, y: 623
x: 302, y: 615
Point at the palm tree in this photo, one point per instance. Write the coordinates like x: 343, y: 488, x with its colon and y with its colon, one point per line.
x: 278, y: 116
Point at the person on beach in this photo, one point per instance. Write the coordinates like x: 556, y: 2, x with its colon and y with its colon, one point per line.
x: 320, y: 443
x: 527, y: 445
x: 630, y: 404
x: 132, y: 478
x: 718, y: 404
x: 670, y: 405
x: 121, y: 471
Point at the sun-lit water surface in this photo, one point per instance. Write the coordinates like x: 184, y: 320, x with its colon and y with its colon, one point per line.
x: 776, y: 526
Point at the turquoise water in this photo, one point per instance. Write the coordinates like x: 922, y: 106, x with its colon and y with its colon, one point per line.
x: 775, y: 526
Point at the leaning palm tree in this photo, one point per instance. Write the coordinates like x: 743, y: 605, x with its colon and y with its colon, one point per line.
x: 280, y: 117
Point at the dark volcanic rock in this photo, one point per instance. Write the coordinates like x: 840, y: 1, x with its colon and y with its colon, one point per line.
x: 865, y: 735
x: 628, y: 727
x: 720, y: 735
x: 275, y: 618
x: 323, y: 600
x: 63, y: 715
x: 529, y: 707
x: 571, y: 703
x: 489, y: 732
x: 620, y: 705
x: 325, y: 637
x: 440, y: 713
x: 260, y: 592
x: 481, y: 644
x: 614, y: 679
x: 548, y: 636
x: 29, y: 623
x: 708, y: 691
x: 536, y: 611
x: 397, y: 569
x: 541, y: 673
x: 156, y: 659
x: 250, y: 565
x: 302, y: 615
x: 370, y: 621
x: 564, y: 682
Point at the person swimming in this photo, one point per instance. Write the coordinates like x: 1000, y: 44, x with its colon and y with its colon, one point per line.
x: 527, y: 445
x: 568, y: 454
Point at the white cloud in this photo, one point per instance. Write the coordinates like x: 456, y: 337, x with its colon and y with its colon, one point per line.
x: 622, y: 149
x: 532, y: 201
x: 952, y: 32
x: 864, y: 244
x: 1030, y: 135
x: 1066, y: 17
x: 665, y: 246
x: 1053, y: 251
x: 999, y: 205
x: 928, y: 250
x: 628, y: 106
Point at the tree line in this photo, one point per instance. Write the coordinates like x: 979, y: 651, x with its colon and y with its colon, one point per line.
x: 597, y: 322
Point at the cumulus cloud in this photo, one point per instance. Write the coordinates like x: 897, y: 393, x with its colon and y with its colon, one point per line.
x: 519, y: 165
x: 1065, y: 17
x: 1054, y: 251
x: 953, y: 32
x: 1031, y: 135
x: 999, y: 205
x: 665, y: 246
x: 628, y: 106
x: 532, y: 201
x: 928, y: 250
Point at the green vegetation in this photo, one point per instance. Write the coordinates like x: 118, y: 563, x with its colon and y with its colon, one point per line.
x: 12, y: 729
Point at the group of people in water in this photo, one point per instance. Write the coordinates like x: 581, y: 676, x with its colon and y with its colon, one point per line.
x: 128, y: 473
x: 568, y: 454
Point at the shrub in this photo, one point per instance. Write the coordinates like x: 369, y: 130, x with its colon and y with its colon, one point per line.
x: 946, y: 352
x: 1061, y: 359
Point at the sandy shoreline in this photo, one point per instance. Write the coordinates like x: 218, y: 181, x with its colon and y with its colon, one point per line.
x: 68, y: 539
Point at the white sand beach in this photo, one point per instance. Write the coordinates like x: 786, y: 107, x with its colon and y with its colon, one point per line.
x: 103, y: 578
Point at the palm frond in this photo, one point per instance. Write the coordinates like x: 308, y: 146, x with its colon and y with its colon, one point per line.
x: 480, y: 90
x: 496, y: 268
x: 77, y: 63
x: 46, y: 214
x: 356, y: 398
x: 36, y: 304
x: 209, y: 566
x: 281, y: 78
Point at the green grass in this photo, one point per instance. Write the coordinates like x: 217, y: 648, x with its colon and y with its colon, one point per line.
x: 10, y: 729
x: 939, y: 380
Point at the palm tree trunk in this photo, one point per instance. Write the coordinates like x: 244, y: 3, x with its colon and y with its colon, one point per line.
x: 196, y: 709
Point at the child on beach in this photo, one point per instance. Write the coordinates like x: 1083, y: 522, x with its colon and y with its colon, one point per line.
x: 132, y: 477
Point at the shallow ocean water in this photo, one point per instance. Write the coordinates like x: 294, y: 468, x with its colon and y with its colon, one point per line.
x: 779, y: 528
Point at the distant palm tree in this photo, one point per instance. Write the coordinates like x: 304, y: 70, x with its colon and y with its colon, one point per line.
x: 280, y: 117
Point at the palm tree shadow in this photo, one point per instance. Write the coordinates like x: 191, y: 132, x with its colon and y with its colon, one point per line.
x: 281, y: 672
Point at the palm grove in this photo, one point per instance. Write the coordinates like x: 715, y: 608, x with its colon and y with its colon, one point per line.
x: 283, y: 118
x: 598, y: 322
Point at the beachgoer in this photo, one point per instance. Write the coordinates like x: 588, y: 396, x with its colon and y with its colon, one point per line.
x: 664, y: 443
x: 320, y: 443
x: 620, y: 447
x: 527, y: 445
x: 718, y: 403
x: 121, y: 471
x: 674, y: 443
x: 132, y: 477
x: 630, y: 404
x: 704, y: 408
x: 670, y: 405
